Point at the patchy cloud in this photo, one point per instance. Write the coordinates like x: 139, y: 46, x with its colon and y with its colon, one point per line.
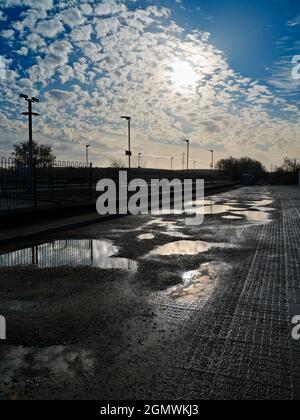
x: 92, y: 61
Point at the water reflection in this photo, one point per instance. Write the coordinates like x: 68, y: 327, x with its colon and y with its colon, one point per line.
x: 56, y: 360
x: 69, y: 253
x: 146, y: 237
x: 256, y: 216
x: 229, y: 217
x: 198, y: 284
x: 188, y: 248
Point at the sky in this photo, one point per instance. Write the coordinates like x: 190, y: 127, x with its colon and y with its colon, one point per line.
x: 222, y: 73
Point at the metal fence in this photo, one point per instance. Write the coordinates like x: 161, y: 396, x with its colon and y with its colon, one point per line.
x: 26, y: 186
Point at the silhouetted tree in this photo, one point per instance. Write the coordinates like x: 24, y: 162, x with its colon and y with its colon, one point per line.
x: 287, y: 173
x: 290, y: 165
x: 238, y: 167
x: 116, y: 164
x: 42, y: 154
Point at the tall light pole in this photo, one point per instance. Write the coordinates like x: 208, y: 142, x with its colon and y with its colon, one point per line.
x: 212, y: 165
x: 30, y: 114
x: 140, y: 160
x: 195, y: 164
x: 128, y: 152
x: 87, y: 153
x: 188, y: 153
x: 172, y: 160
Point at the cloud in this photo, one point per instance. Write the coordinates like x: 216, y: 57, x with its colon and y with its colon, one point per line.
x: 9, y: 34
x: 83, y: 33
x: 295, y: 21
x: 61, y: 96
x: 35, y: 4
x: 108, y: 7
x: 72, y: 17
x: 49, y: 28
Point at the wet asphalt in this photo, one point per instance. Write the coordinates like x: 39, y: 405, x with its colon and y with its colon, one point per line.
x: 147, y: 307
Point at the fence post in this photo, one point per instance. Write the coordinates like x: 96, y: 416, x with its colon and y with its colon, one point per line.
x: 91, y: 181
x: 34, y: 184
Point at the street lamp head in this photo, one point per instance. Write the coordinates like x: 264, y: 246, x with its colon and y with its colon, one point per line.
x: 24, y: 96
x: 124, y: 117
x: 187, y: 141
x: 35, y: 99
x: 87, y: 146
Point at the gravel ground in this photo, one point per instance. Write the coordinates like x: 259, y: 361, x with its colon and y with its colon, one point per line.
x: 166, y: 330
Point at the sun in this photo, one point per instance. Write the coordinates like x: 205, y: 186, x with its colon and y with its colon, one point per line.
x: 183, y: 76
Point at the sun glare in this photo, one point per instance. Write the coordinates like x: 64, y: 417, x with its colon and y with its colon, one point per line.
x: 184, y: 76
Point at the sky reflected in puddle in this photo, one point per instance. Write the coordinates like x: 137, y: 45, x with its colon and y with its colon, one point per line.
x: 231, y: 217
x: 257, y: 216
x: 261, y: 203
x: 70, y: 253
x: 146, y: 237
x: 56, y: 360
x: 188, y: 248
x: 198, y: 284
x: 176, y: 235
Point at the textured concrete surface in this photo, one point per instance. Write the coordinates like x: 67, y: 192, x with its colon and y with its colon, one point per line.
x: 108, y: 334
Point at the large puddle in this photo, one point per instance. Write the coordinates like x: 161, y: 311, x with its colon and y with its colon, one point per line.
x: 70, y: 253
x: 188, y: 248
x: 254, y: 211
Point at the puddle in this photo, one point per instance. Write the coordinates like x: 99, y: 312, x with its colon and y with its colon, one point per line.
x: 164, y: 224
x: 56, y: 360
x: 176, y: 235
x: 198, y: 284
x: 69, y: 253
x: 16, y: 305
x: 261, y: 203
x: 216, y: 209
x: 232, y: 217
x: 264, y: 209
x: 256, y: 216
x: 146, y: 237
x: 188, y: 248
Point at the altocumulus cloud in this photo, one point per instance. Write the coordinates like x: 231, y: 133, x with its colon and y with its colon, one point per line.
x: 92, y: 61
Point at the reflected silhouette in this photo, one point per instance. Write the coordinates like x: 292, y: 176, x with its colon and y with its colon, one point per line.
x: 69, y: 253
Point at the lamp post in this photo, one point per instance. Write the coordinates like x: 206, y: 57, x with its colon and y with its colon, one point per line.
x: 128, y: 152
x: 195, y: 164
x: 87, y: 153
x: 140, y: 160
x: 188, y: 153
x: 212, y: 165
x: 30, y: 114
x: 172, y: 160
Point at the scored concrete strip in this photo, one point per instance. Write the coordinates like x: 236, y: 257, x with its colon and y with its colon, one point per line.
x: 292, y: 243
x: 241, y: 345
